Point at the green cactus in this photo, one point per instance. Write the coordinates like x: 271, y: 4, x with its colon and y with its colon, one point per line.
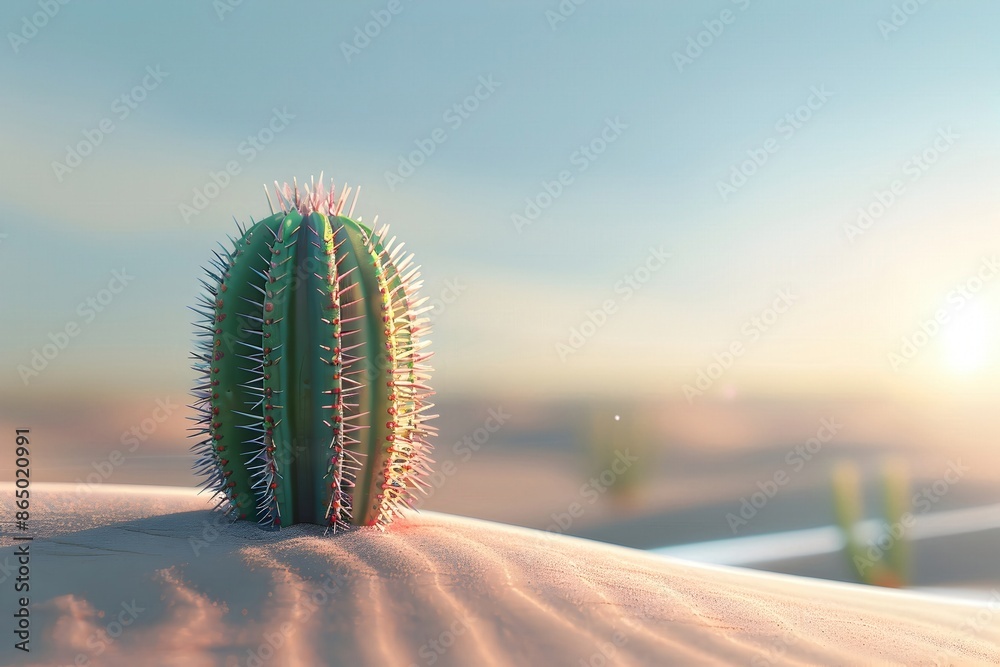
x: 313, y: 395
x: 874, y: 564
x: 613, y: 435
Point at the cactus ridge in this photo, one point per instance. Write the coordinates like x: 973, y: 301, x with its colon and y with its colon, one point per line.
x: 312, y: 403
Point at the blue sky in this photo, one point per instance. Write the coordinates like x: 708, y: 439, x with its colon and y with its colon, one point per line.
x: 656, y: 185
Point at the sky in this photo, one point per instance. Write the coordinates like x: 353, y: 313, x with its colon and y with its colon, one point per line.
x: 688, y: 200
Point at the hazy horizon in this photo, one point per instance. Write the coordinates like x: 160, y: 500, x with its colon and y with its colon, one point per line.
x: 733, y: 203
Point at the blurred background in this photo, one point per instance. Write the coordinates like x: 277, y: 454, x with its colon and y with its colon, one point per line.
x: 719, y: 278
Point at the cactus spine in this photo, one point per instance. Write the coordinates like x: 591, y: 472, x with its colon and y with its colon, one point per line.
x: 313, y: 395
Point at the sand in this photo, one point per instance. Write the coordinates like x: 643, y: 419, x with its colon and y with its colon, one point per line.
x: 145, y: 575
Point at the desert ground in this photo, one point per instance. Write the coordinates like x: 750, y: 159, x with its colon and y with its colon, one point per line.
x: 125, y: 574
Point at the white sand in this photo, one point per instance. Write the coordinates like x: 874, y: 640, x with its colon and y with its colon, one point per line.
x: 434, y: 590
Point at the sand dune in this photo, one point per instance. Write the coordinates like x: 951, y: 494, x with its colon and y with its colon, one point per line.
x: 126, y: 577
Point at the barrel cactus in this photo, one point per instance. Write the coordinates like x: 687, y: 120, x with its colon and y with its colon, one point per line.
x: 312, y: 398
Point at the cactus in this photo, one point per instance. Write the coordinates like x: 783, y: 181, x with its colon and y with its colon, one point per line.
x: 874, y: 564
x: 612, y: 436
x: 312, y: 398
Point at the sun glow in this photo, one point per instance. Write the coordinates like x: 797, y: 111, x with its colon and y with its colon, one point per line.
x: 966, y: 340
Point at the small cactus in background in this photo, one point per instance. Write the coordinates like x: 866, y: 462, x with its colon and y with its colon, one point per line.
x: 884, y: 559
x: 312, y: 396
x: 616, y: 437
